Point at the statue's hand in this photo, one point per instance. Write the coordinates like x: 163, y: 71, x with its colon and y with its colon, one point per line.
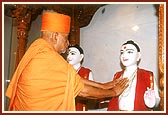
x: 149, y: 98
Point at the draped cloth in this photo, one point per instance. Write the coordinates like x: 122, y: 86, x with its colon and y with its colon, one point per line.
x: 43, y: 81
x: 84, y: 72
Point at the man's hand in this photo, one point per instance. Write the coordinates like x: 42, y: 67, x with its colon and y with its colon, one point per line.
x: 112, y: 84
x: 120, y: 86
x: 94, y: 90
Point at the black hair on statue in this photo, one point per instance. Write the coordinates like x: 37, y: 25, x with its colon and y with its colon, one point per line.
x: 133, y: 43
x: 78, y: 47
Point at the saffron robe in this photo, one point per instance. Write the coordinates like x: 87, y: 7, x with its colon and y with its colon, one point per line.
x: 80, y: 103
x: 144, y: 79
x: 43, y: 81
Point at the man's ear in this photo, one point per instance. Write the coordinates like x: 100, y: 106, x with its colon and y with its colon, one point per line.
x: 54, y: 36
x: 82, y: 56
x: 139, y: 56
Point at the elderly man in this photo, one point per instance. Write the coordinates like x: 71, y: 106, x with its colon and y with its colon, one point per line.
x: 44, y: 81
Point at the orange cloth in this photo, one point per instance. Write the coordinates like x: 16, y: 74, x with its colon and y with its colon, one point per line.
x: 43, y: 80
x: 55, y: 22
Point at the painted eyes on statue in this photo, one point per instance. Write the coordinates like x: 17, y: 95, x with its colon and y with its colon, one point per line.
x: 127, y: 51
x: 130, y: 52
x: 72, y: 53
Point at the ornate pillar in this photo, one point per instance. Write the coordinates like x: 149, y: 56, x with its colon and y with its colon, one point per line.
x: 75, y: 29
x: 72, y: 34
x: 23, y: 16
x: 161, y: 54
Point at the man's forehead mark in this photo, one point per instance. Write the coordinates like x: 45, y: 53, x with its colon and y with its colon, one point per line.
x: 125, y: 47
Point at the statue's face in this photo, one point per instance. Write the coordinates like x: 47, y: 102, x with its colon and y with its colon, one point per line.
x: 129, y: 55
x: 74, y: 57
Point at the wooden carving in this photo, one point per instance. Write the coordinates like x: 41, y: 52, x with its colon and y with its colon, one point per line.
x: 23, y: 17
x: 161, y: 54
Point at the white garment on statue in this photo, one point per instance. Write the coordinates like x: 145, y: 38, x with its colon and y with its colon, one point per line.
x: 91, y: 76
x: 126, y: 99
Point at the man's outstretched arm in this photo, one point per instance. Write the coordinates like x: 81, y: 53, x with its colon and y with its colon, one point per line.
x: 93, y: 91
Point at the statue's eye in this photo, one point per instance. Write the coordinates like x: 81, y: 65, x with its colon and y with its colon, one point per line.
x: 121, y: 52
x: 72, y: 53
x: 130, y: 52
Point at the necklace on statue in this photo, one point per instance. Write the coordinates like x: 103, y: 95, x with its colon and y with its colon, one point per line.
x: 128, y: 89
